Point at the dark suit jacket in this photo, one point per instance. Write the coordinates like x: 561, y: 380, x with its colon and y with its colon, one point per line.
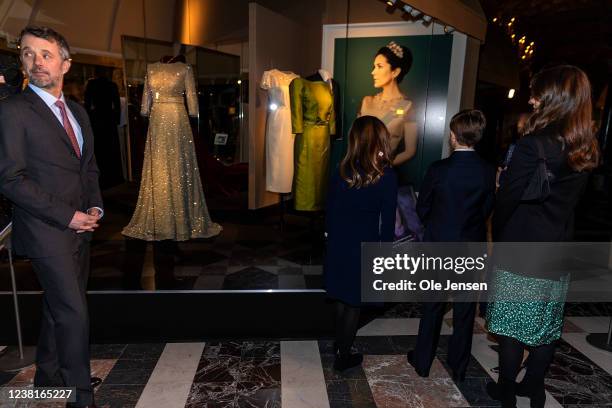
x: 551, y: 220
x: 456, y: 198
x: 43, y: 177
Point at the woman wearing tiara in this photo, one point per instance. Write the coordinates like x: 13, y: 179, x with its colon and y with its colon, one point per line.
x: 394, y: 109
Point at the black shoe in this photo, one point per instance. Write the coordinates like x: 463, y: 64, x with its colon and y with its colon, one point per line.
x: 503, y: 393
x: 536, y: 395
x: 43, y: 381
x: 537, y: 399
x: 458, y: 377
x: 411, y: 361
x: 345, y: 362
x: 494, y: 391
x: 95, y: 381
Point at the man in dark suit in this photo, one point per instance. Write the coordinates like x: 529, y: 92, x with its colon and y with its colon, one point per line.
x: 455, y: 201
x: 48, y: 171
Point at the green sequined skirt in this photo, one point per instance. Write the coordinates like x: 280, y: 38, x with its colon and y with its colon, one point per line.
x: 532, y: 322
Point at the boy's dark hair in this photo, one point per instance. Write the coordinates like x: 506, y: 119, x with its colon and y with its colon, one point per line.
x: 48, y: 34
x: 468, y: 126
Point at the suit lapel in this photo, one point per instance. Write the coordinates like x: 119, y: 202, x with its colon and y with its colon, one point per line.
x: 41, y: 108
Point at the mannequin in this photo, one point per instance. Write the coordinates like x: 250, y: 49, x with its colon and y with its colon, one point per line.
x: 171, y: 205
x: 325, y: 76
x: 313, y: 121
x: 279, y: 137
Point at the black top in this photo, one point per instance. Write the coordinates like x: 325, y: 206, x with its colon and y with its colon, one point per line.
x: 550, y: 220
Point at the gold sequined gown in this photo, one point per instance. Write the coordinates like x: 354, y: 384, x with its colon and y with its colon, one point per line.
x: 171, y: 202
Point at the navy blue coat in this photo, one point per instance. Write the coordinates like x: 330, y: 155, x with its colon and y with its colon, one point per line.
x: 456, y: 198
x: 356, y: 215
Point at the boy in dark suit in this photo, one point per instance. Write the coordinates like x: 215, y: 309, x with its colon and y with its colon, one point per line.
x: 454, y: 203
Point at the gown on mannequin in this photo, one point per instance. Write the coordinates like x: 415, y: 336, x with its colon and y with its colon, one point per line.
x: 171, y: 204
x: 279, y: 137
x: 312, y: 121
x: 395, y: 113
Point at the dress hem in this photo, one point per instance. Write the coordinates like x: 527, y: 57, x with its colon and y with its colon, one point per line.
x: 150, y: 238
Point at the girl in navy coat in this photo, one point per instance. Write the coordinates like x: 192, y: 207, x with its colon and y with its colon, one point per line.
x: 360, y: 208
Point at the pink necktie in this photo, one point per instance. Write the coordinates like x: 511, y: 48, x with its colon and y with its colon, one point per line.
x: 68, y: 128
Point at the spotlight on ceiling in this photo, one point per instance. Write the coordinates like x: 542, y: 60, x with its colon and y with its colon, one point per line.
x: 448, y: 29
x: 392, y: 5
x: 407, y: 8
x: 427, y: 19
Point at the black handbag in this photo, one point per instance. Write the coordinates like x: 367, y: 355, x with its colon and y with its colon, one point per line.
x: 538, y: 188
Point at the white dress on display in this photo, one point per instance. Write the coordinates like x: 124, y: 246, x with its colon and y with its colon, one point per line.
x: 279, y: 138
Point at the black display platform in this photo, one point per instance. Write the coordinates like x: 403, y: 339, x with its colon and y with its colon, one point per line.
x: 137, y: 317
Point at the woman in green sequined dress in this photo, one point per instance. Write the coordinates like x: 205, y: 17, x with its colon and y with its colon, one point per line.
x: 560, y: 126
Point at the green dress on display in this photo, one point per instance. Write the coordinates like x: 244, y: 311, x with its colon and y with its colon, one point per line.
x: 312, y: 121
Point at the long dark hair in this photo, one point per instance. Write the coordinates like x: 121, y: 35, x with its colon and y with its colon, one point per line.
x: 369, y: 152
x: 564, y: 93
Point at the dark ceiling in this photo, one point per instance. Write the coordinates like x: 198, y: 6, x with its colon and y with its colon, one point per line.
x: 576, y: 32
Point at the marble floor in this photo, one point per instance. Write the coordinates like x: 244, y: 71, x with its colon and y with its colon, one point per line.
x: 298, y: 373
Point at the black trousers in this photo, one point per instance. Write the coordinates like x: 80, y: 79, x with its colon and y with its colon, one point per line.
x: 460, y: 344
x: 347, y: 322
x: 62, y: 356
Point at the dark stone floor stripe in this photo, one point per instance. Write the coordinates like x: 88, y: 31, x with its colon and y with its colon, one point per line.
x: 351, y: 388
x: 126, y: 381
x: 574, y: 379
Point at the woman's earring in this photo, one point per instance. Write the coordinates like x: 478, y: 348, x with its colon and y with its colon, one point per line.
x: 380, y: 154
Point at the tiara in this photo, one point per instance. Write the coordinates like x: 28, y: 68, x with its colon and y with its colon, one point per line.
x: 396, y: 49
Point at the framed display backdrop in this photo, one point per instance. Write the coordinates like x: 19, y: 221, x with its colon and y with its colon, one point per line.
x: 433, y: 84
